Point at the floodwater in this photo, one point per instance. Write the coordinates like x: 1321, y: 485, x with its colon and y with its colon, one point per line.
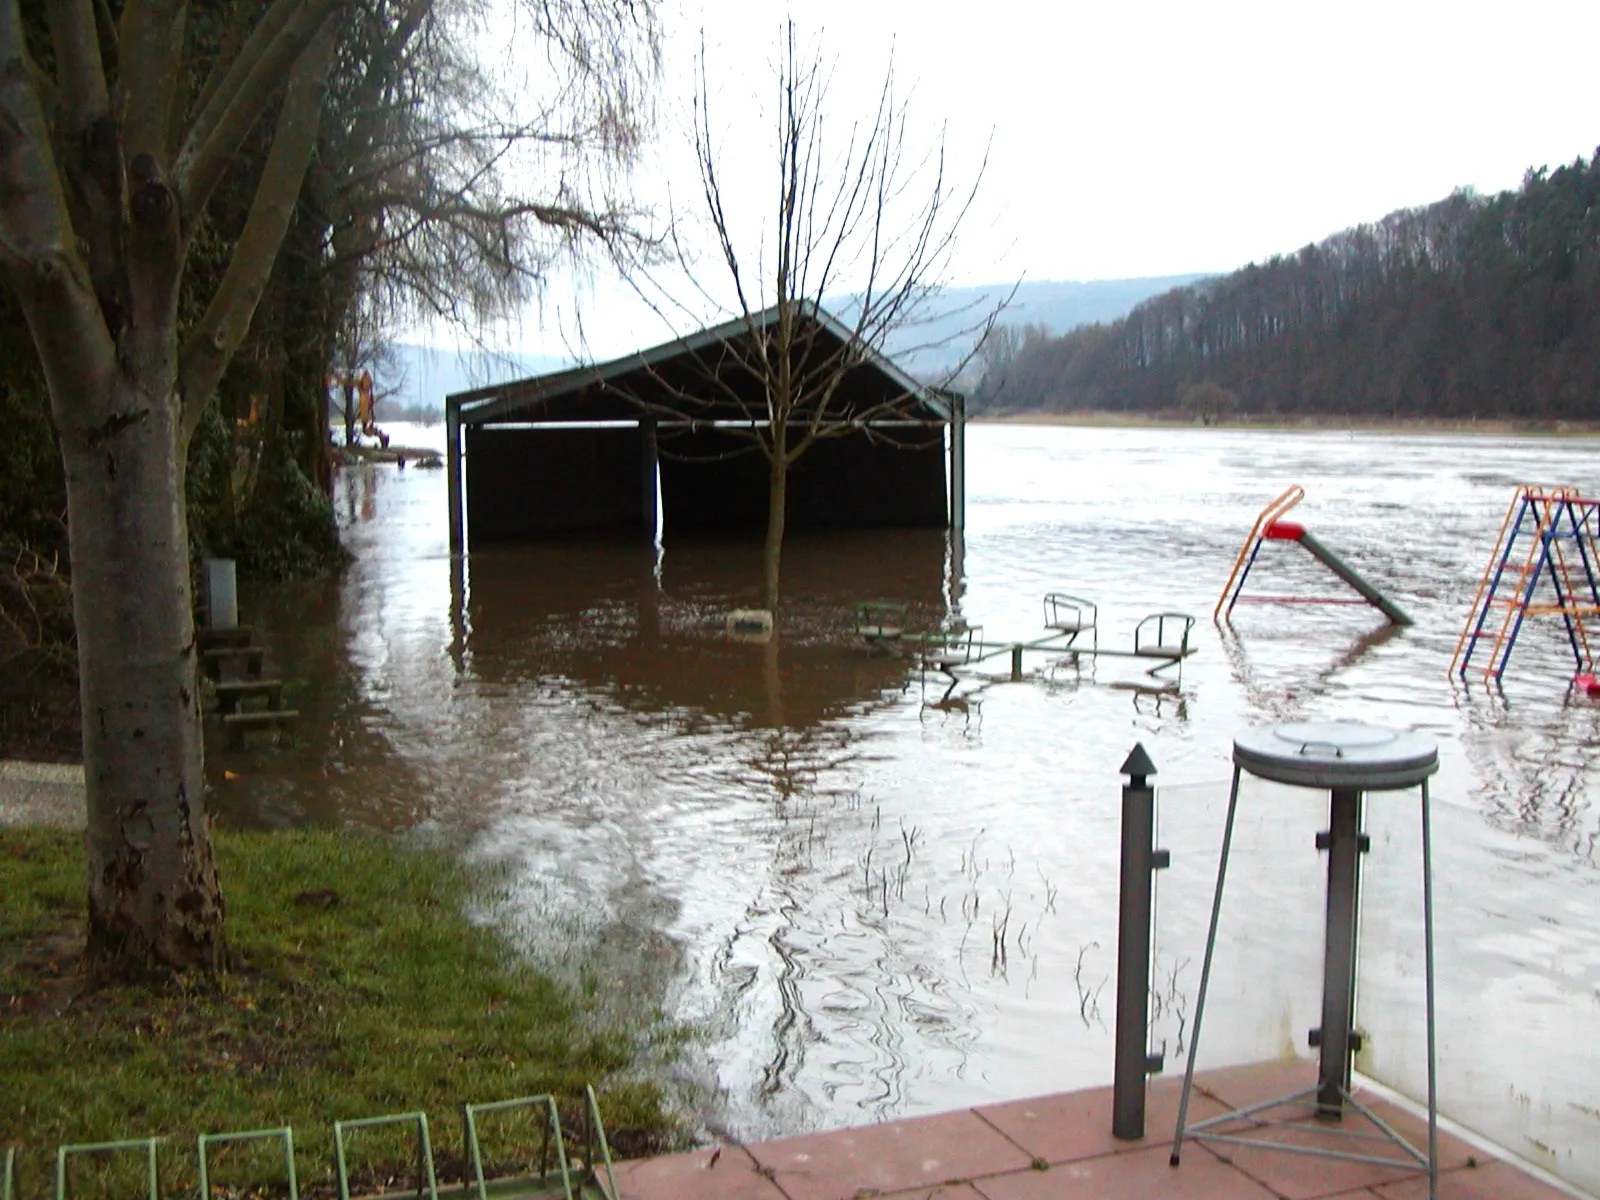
x: 870, y: 900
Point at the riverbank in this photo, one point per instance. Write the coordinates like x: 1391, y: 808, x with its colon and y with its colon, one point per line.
x: 1498, y: 427
x: 361, y: 984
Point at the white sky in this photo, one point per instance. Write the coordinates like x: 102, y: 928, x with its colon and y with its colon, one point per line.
x: 1141, y: 138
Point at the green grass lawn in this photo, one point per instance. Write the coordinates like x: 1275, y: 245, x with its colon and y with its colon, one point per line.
x: 358, y: 986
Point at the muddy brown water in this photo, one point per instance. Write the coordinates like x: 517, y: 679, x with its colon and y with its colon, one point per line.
x: 871, y: 901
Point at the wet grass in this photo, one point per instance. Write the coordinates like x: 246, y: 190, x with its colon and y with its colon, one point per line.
x: 358, y: 986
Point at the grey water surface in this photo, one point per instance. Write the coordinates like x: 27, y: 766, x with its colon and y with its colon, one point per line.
x: 870, y: 900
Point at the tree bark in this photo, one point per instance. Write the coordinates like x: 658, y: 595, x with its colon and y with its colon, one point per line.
x: 154, y: 896
x: 772, y: 551
x: 93, y: 244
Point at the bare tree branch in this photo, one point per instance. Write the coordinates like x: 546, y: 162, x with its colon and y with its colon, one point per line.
x: 227, y: 318
x: 853, y: 211
x: 38, y: 250
x: 79, y: 74
x: 42, y: 83
x: 150, y: 49
x: 244, y: 93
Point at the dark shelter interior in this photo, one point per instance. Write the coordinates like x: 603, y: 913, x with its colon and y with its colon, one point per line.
x: 671, y: 435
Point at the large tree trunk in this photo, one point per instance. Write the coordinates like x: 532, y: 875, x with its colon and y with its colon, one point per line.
x: 154, y: 897
x: 772, y: 551
x: 93, y: 243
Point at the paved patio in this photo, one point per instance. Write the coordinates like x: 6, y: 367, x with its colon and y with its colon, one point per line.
x: 1061, y: 1148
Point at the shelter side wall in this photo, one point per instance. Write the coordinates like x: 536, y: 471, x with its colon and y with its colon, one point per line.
x: 531, y: 483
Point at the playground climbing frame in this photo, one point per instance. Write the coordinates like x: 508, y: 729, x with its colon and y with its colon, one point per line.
x: 1545, y: 563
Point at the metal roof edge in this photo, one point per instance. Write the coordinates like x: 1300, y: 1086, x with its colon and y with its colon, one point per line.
x: 483, y: 404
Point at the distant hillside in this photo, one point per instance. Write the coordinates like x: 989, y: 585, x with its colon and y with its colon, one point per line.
x: 1475, y: 306
x: 421, y: 377
x: 936, y: 344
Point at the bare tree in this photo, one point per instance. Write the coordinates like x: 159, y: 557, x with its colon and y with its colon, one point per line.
x: 997, y: 357
x: 105, y: 172
x: 448, y: 183
x: 858, y: 214
x: 454, y: 187
x: 110, y: 151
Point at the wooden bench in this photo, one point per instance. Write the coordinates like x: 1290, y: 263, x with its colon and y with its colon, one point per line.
x: 276, y: 721
x: 232, y: 693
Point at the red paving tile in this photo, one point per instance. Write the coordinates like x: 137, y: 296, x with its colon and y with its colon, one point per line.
x: 1078, y: 1124
x: 1453, y: 1152
x: 728, y: 1174
x: 1239, y: 1087
x: 1302, y: 1176
x: 1140, y: 1175
x: 1497, y: 1181
x: 988, y: 1154
x: 892, y: 1157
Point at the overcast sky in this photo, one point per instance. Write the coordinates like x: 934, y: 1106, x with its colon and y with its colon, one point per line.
x: 1143, y: 138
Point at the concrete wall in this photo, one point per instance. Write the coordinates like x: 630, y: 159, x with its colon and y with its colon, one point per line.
x: 532, y: 483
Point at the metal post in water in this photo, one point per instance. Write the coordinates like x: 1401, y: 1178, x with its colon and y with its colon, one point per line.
x: 1140, y: 860
x: 1334, y: 1037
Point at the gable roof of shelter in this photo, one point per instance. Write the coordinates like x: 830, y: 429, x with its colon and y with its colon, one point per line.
x: 504, y: 400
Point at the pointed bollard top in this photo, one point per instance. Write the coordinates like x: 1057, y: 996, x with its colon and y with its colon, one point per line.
x: 1138, y: 765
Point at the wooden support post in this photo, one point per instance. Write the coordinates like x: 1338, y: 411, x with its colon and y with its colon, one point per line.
x: 1016, y: 663
x: 648, y: 462
x: 958, y: 460
x: 452, y: 471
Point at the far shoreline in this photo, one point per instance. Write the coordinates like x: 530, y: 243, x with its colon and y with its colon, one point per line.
x: 1326, y: 423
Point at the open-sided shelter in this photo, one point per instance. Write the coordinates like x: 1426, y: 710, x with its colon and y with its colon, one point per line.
x: 590, y: 449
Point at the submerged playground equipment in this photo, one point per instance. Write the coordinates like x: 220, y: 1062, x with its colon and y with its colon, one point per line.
x: 1271, y: 527
x: 1547, y: 538
x: 1162, y: 639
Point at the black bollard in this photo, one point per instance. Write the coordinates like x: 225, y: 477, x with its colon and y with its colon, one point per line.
x: 1140, y: 859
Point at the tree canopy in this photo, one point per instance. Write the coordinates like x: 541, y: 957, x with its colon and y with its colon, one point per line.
x: 1473, y: 307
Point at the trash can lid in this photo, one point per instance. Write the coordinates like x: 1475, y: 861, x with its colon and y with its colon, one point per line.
x: 1337, y: 754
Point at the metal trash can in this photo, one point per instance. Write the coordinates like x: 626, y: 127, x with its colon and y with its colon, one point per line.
x: 221, y: 592
x: 1348, y: 760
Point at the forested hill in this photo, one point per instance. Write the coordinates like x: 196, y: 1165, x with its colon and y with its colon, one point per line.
x: 942, y: 338
x: 1477, y: 306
